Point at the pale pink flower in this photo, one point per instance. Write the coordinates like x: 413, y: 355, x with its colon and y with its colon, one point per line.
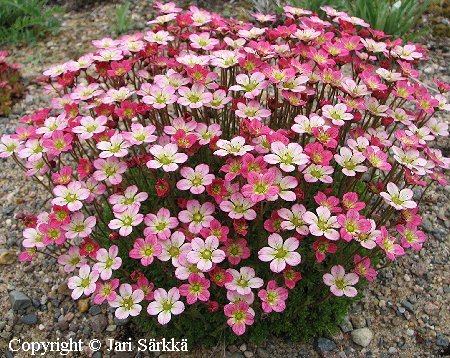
x: 322, y: 224
x: 280, y: 253
x: 196, y: 179
x: 130, y: 197
x: 238, y: 207
x: 116, y: 146
x: 341, y: 284
x: 252, y: 110
x: 71, y: 259
x: 160, y: 224
x: 126, y: 220
x: 252, y: 85
x: 110, y: 169
x: 71, y: 195
x: 194, y: 97
x: 205, y: 253
x: 127, y: 302
x: 398, y: 199
x: 236, y: 146
x: 84, y: 283
x: 350, y: 161
x: 166, y: 157
x: 197, y: 215
x: 107, y: 261
x: 243, y: 280
x: 203, y: 41
x: 90, y: 126
x: 79, y: 226
x: 337, y: 113
x: 165, y: 304
x: 140, y: 134
x: 273, y: 298
x: 174, y: 247
x: 160, y: 97
x: 293, y: 220
x: 287, y: 156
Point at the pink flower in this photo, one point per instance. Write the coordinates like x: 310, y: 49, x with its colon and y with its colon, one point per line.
x: 196, y: 289
x: 350, y: 161
x: 236, y: 250
x: 337, y: 113
x: 71, y: 195
x: 127, y: 302
x: 323, y: 246
x: 146, y: 249
x: 322, y: 224
x: 160, y: 224
x: 240, y: 315
x: 205, y: 253
x: 260, y: 186
x: 274, y: 298
x: 160, y: 97
x: 352, y: 224
x: 166, y: 157
x: 197, y: 215
x: 126, y: 220
x: 58, y: 143
x: 79, y: 226
x: 195, y: 179
x: 411, y: 237
x: 280, y: 253
x: 106, y: 291
x: 165, y: 304
x: 362, y: 268
x: 387, y: 243
x: 116, y: 146
x: 341, y: 284
x: 84, y: 283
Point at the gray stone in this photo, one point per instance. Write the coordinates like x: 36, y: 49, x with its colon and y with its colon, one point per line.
x: 121, y: 322
x: 98, y: 324
x: 29, y: 319
x: 442, y: 341
x: 19, y: 301
x: 362, y: 336
x: 63, y: 325
x: 325, y: 345
x: 95, y: 310
x: 408, y: 305
x: 358, y: 321
x: 234, y: 355
x: 346, y: 325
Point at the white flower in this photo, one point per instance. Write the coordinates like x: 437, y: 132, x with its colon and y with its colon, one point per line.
x: 398, y: 199
x: 166, y: 304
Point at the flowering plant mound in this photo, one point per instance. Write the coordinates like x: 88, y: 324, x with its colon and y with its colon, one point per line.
x: 10, y: 86
x: 213, y: 172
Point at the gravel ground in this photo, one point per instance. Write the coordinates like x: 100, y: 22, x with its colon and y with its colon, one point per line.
x: 404, y: 313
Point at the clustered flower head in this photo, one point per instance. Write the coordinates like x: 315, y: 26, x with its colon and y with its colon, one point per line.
x: 224, y: 154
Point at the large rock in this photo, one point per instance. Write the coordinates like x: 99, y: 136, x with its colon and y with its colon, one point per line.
x: 19, y: 301
x: 362, y: 336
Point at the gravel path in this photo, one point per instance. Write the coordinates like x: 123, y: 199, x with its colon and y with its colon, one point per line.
x: 405, y: 312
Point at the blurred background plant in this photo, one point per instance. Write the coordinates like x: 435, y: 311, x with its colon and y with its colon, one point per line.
x: 11, y: 87
x: 122, y: 21
x: 24, y: 21
x: 399, y: 18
